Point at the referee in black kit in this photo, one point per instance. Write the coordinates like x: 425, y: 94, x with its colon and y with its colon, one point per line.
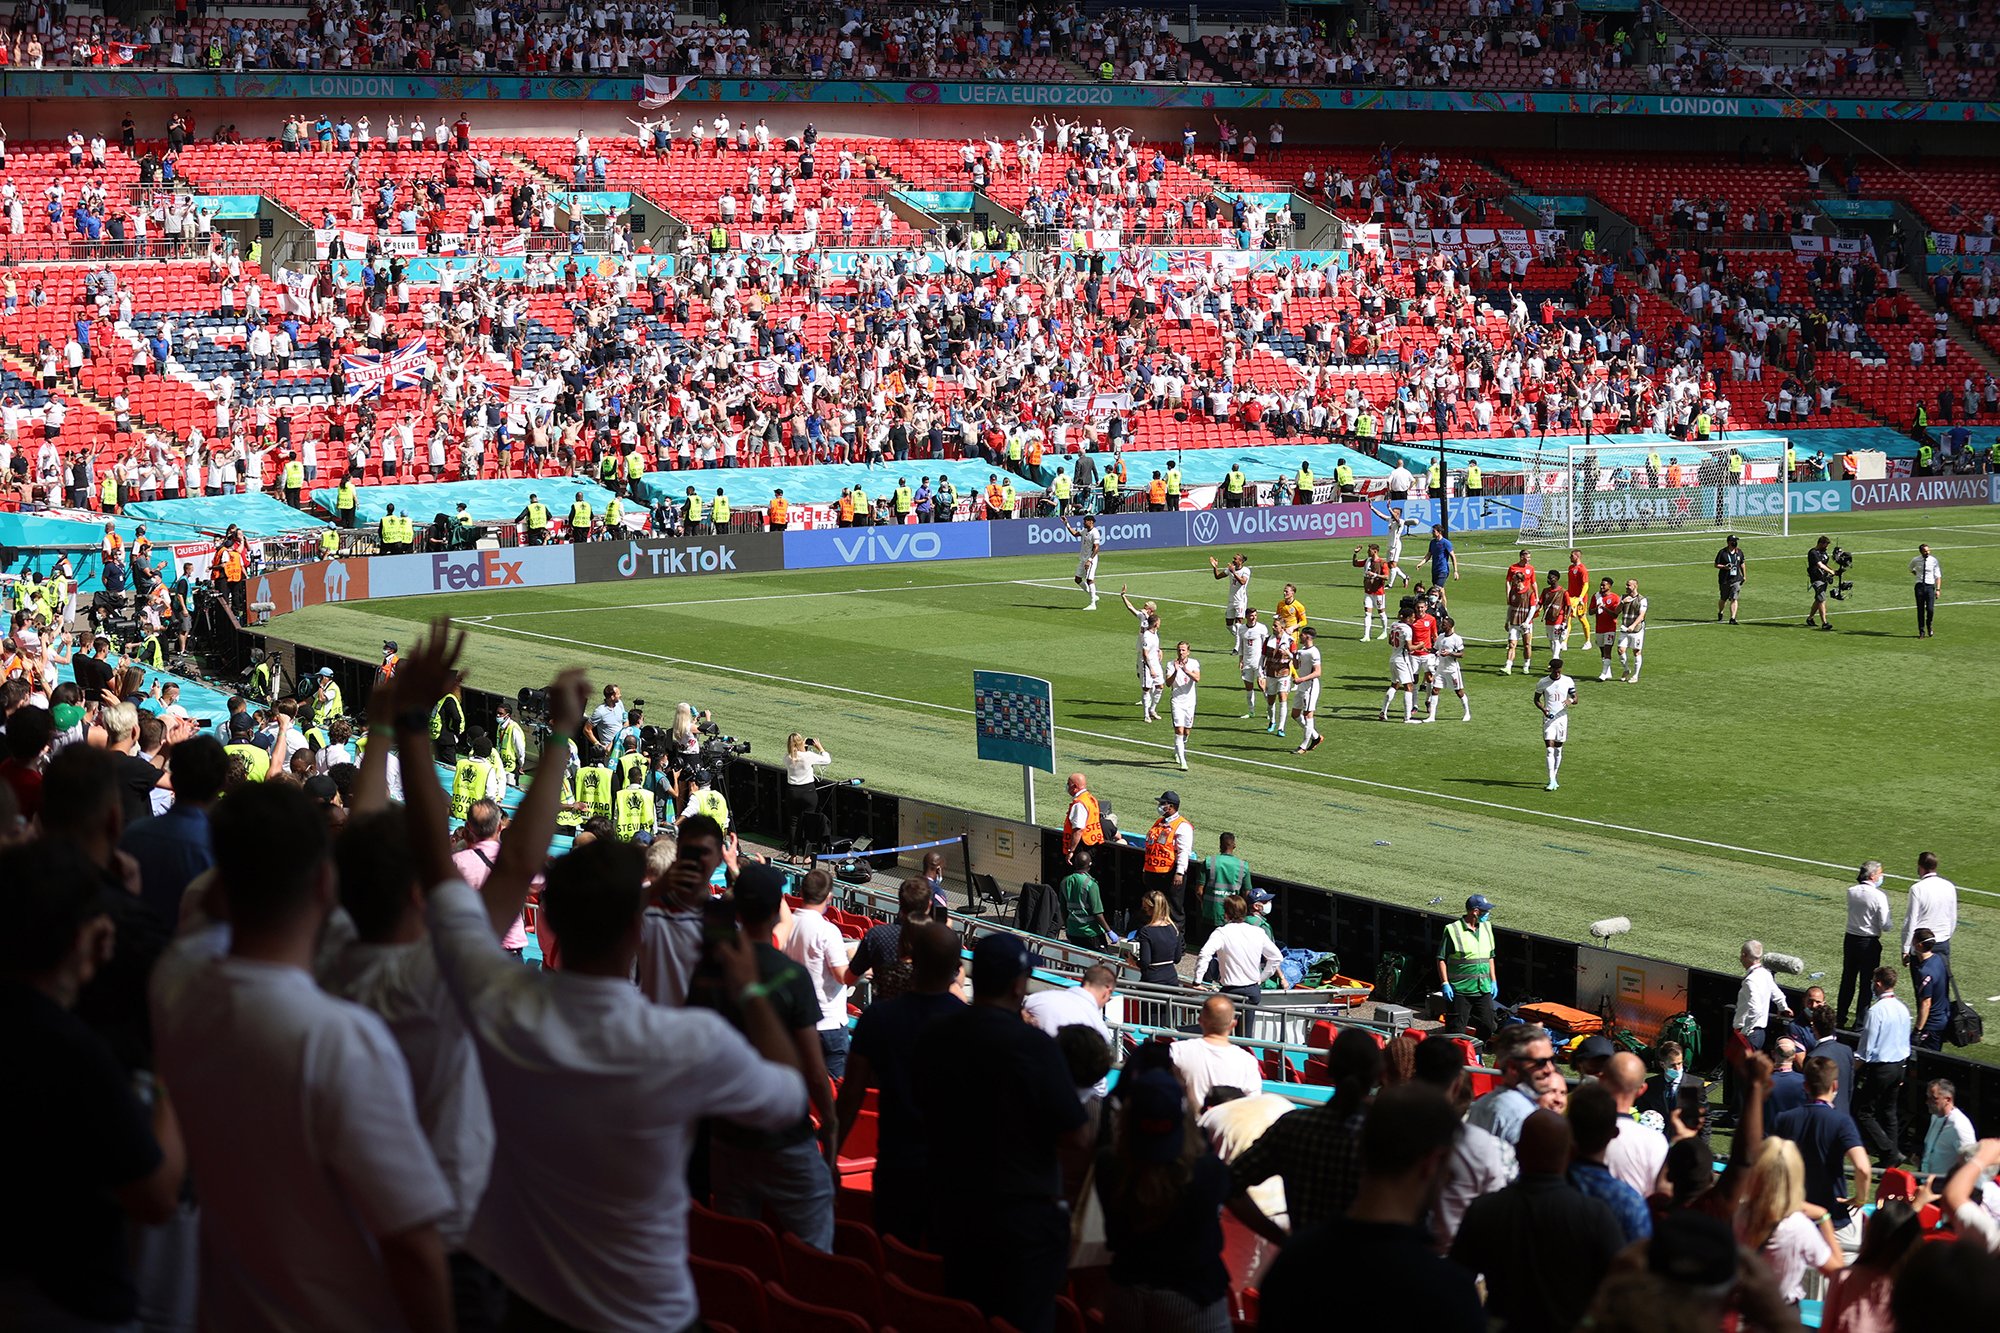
x: 1930, y: 582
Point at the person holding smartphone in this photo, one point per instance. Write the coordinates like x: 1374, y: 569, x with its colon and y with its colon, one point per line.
x: 803, y: 759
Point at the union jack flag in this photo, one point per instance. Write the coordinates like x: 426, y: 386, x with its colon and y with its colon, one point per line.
x: 404, y: 368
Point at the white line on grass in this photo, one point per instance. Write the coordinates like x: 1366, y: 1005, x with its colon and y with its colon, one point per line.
x: 1207, y: 754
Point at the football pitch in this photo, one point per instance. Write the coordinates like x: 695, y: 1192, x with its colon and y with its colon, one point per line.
x: 1728, y: 794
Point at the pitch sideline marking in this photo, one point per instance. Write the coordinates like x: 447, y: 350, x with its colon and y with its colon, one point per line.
x: 1223, y: 758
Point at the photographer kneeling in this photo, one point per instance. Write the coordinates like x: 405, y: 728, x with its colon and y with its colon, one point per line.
x: 803, y: 756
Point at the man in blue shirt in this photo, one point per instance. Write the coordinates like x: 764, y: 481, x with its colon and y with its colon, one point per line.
x: 1528, y: 1068
x: 1443, y: 557
x: 1593, y: 1120
x: 1927, y: 977
x: 1788, y: 1083
x: 173, y: 848
x: 1829, y: 1142
x: 1881, y: 1056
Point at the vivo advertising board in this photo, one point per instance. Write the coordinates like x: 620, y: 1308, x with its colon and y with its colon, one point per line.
x: 890, y: 544
x: 678, y: 557
x: 471, y: 571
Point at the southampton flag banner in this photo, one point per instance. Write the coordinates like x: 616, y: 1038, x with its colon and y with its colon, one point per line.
x: 661, y: 89
x: 403, y: 368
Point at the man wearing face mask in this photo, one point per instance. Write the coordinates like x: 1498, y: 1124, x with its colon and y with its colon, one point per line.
x: 1169, y: 846
x: 1465, y: 968
x: 934, y: 881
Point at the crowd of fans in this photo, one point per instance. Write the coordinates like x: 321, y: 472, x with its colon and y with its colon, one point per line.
x: 1552, y: 45
x: 444, y: 1135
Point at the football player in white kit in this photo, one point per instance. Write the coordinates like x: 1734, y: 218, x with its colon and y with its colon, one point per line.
x: 1631, y: 632
x: 1250, y: 656
x: 1305, y: 696
x: 1447, y: 671
x: 1555, y: 695
x: 1277, y: 680
x: 1089, y: 542
x: 1374, y: 579
x: 1399, y: 527
x: 1183, y: 674
x: 1237, y: 571
x: 1151, y: 677
x: 1402, y: 664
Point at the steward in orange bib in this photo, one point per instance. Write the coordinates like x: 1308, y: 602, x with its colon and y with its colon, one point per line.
x: 780, y: 514
x: 1085, y: 825
x: 1169, y: 846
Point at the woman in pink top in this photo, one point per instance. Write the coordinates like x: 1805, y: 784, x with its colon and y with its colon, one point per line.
x: 1859, y: 1301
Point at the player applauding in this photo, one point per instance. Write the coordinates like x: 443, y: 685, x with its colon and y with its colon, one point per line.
x: 1183, y: 675
x: 1151, y: 675
x: 1631, y: 632
x: 1374, y: 584
x: 1250, y: 657
x: 1089, y: 542
x: 1277, y: 680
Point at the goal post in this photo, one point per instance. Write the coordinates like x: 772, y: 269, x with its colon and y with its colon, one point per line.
x: 1595, y: 488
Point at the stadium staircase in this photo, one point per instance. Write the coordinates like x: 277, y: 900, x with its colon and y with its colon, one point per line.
x: 1965, y: 335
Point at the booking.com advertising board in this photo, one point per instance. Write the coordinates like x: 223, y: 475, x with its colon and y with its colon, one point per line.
x: 1194, y: 527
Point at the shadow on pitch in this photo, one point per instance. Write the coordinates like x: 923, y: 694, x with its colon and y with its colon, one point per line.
x: 1498, y: 782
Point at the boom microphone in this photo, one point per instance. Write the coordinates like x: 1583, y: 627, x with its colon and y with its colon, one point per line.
x: 1611, y: 925
x: 1784, y: 962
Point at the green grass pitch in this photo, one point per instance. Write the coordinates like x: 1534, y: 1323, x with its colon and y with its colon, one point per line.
x: 1728, y: 794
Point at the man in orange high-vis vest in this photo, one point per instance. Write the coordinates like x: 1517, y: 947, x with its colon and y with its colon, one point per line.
x: 781, y: 512
x: 996, y: 499
x: 1169, y: 846
x: 1084, y: 826
x: 1156, y: 494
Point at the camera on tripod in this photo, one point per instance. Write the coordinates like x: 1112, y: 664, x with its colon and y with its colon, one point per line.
x: 1839, y: 561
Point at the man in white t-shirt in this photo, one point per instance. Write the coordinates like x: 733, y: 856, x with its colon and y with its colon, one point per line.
x: 1183, y: 675
x: 1631, y: 633
x: 1449, y: 673
x: 1307, y: 673
x: 321, y: 1208
x: 1211, y: 1061
x: 1402, y: 664
x: 817, y: 945
x: 1555, y: 696
x: 1250, y: 656
x: 1969, y: 1196
x: 1237, y: 571
x: 1638, y: 1152
x: 1089, y: 542
x: 1081, y: 1005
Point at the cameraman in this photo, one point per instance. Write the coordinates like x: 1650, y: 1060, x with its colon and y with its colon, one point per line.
x: 803, y: 756
x: 1819, y: 572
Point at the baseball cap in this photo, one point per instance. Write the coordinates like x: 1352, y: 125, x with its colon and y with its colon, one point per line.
x: 66, y: 716
x: 241, y: 724
x: 1155, y: 1110
x: 322, y: 789
x: 1596, y: 1046
x: 758, y: 891
x: 1478, y: 902
x: 1172, y: 798
x: 326, y: 671
x: 1256, y: 895
x: 388, y: 645
x: 998, y: 961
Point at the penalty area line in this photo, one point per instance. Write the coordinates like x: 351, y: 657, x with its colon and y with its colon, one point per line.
x: 1109, y: 738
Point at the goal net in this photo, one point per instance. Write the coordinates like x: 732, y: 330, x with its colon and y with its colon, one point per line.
x: 1593, y: 489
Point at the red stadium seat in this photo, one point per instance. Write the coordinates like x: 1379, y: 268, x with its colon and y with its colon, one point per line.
x: 829, y: 1279
x: 906, y: 1307
x: 796, y: 1316
x: 732, y: 1240
x: 922, y: 1271
x: 732, y: 1294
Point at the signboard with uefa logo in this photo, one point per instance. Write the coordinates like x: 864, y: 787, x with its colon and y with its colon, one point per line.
x: 1014, y: 718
